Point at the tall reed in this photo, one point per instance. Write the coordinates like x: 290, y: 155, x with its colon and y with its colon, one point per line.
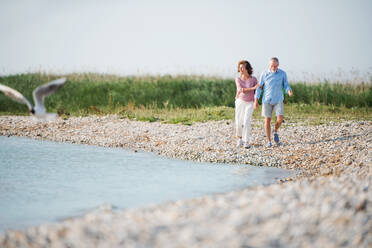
x: 87, y: 90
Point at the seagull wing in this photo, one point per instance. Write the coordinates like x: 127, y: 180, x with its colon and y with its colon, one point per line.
x: 45, y: 90
x: 15, y: 95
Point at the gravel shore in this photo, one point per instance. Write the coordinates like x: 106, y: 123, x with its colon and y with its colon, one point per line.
x: 327, y: 204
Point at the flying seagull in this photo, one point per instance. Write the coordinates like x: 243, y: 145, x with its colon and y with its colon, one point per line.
x: 38, y: 94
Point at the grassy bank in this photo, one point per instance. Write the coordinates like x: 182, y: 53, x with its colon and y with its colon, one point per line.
x: 184, y: 99
x: 294, y: 113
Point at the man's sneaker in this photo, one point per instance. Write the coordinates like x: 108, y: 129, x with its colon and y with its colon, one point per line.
x: 276, y: 138
x: 239, y: 143
x: 269, y: 144
x: 247, y: 146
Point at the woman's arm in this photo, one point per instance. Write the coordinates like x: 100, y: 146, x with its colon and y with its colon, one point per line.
x: 246, y: 90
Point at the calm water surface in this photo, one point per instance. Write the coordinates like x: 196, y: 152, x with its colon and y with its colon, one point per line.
x: 43, y: 181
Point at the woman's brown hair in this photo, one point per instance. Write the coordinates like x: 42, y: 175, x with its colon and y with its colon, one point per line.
x: 247, y: 66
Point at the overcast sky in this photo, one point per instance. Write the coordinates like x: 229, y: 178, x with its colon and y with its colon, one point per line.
x: 316, y: 38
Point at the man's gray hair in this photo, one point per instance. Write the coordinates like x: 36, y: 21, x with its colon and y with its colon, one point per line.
x: 275, y: 59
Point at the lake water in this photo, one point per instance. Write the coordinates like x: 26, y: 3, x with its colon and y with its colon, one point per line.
x: 43, y: 181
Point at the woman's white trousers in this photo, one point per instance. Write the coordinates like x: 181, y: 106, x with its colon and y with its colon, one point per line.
x: 243, y: 118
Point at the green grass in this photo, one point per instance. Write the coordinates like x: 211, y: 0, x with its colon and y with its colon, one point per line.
x: 348, y: 95
x: 185, y: 116
x: 294, y: 113
x: 85, y: 90
x: 183, y: 99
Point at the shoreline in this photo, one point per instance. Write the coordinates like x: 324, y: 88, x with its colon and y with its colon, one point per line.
x: 328, y: 203
x: 211, y: 141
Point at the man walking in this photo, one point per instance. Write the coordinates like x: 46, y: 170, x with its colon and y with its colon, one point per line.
x: 272, y: 81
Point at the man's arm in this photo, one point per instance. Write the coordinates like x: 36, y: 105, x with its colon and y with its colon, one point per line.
x: 287, y: 88
x: 258, y: 91
x: 260, y: 86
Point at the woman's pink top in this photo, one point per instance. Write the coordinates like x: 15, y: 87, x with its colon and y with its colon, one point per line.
x: 240, y: 84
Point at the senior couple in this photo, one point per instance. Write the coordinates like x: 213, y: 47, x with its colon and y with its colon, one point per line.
x: 248, y: 91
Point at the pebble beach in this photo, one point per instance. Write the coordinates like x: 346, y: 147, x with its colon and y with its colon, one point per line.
x: 327, y: 203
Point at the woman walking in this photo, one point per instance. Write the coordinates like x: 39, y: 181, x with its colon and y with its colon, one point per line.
x: 246, y: 85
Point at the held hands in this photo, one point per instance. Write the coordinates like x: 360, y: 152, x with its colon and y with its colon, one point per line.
x: 290, y: 93
x: 255, y: 105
